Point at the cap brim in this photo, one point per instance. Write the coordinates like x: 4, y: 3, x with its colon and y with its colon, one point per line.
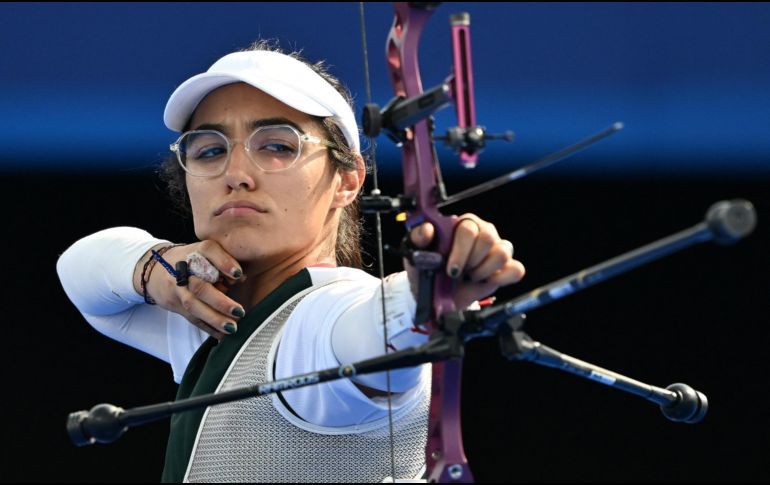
x: 189, y: 94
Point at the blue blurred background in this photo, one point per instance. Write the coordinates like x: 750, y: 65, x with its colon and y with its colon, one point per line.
x: 85, y: 84
x: 83, y: 90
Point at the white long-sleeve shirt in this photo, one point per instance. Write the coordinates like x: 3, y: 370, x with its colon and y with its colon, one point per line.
x: 339, y: 323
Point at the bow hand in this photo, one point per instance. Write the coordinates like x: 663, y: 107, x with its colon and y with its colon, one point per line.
x: 479, y: 260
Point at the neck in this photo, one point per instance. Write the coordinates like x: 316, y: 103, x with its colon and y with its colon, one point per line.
x: 262, y: 277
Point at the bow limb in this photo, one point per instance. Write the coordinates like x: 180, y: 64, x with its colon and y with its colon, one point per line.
x: 445, y: 457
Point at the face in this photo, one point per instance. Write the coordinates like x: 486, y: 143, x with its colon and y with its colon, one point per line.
x: 292, y: 214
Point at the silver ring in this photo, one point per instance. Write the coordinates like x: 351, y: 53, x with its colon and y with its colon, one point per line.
x: 478, y: 227
x: 509, y: 244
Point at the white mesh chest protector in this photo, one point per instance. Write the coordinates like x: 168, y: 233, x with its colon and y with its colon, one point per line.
x: 250, y: 441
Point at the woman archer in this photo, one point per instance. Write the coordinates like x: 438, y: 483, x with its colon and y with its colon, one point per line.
x: 269, y: 164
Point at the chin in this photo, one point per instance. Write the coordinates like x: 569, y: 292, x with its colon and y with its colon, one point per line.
x: 243, y: 248
x: 242, y: 243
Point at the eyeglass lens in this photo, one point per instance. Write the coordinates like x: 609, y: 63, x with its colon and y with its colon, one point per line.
x: 272, y: 148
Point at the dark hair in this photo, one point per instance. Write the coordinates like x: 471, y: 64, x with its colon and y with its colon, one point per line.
x: 342, y: 157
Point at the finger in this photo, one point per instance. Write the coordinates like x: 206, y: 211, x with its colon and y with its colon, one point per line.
x: 214, y: 298
x: 205, y: 327
x: 486, y: 241
x: 465, y: 234
x: 494, y: 259
x: 197, y: 311
x: 422, y: 235
x: 508, y: 246
x: 205, y: 304
x: 221, y: 259
x: 512, y: 272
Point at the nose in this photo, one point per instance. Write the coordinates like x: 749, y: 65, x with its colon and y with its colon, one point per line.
x: 240, y: 168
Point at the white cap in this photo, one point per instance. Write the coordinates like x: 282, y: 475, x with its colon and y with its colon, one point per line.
x: 286, y: 79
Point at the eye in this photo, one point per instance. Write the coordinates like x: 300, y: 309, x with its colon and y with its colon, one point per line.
x: 277, y: 148
x: 205, y: 146
x: 211, y: 151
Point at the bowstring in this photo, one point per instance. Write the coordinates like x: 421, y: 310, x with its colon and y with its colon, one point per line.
x: 378, y: 231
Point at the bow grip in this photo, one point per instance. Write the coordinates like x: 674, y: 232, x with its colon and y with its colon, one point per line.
x: 444, y: 286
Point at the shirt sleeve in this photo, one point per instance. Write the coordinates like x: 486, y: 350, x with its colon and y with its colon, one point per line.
x: 358, y: 333
x: 342, y: 323
x: 96, y: 273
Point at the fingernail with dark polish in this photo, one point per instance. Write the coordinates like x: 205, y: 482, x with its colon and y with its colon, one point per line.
x: 238, y: 312
x: 237, y: 273
x: 454, y: 271
x: 230, y: 328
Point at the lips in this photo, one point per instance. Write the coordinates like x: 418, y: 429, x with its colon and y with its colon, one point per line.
x: 239, y: 204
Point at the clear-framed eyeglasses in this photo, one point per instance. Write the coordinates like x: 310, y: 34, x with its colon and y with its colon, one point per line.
x: 206, y: 153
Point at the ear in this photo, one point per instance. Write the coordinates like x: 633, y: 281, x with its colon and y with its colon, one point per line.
x: 350, y: 185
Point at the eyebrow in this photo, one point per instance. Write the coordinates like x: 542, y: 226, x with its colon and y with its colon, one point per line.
x: 253, y: 125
